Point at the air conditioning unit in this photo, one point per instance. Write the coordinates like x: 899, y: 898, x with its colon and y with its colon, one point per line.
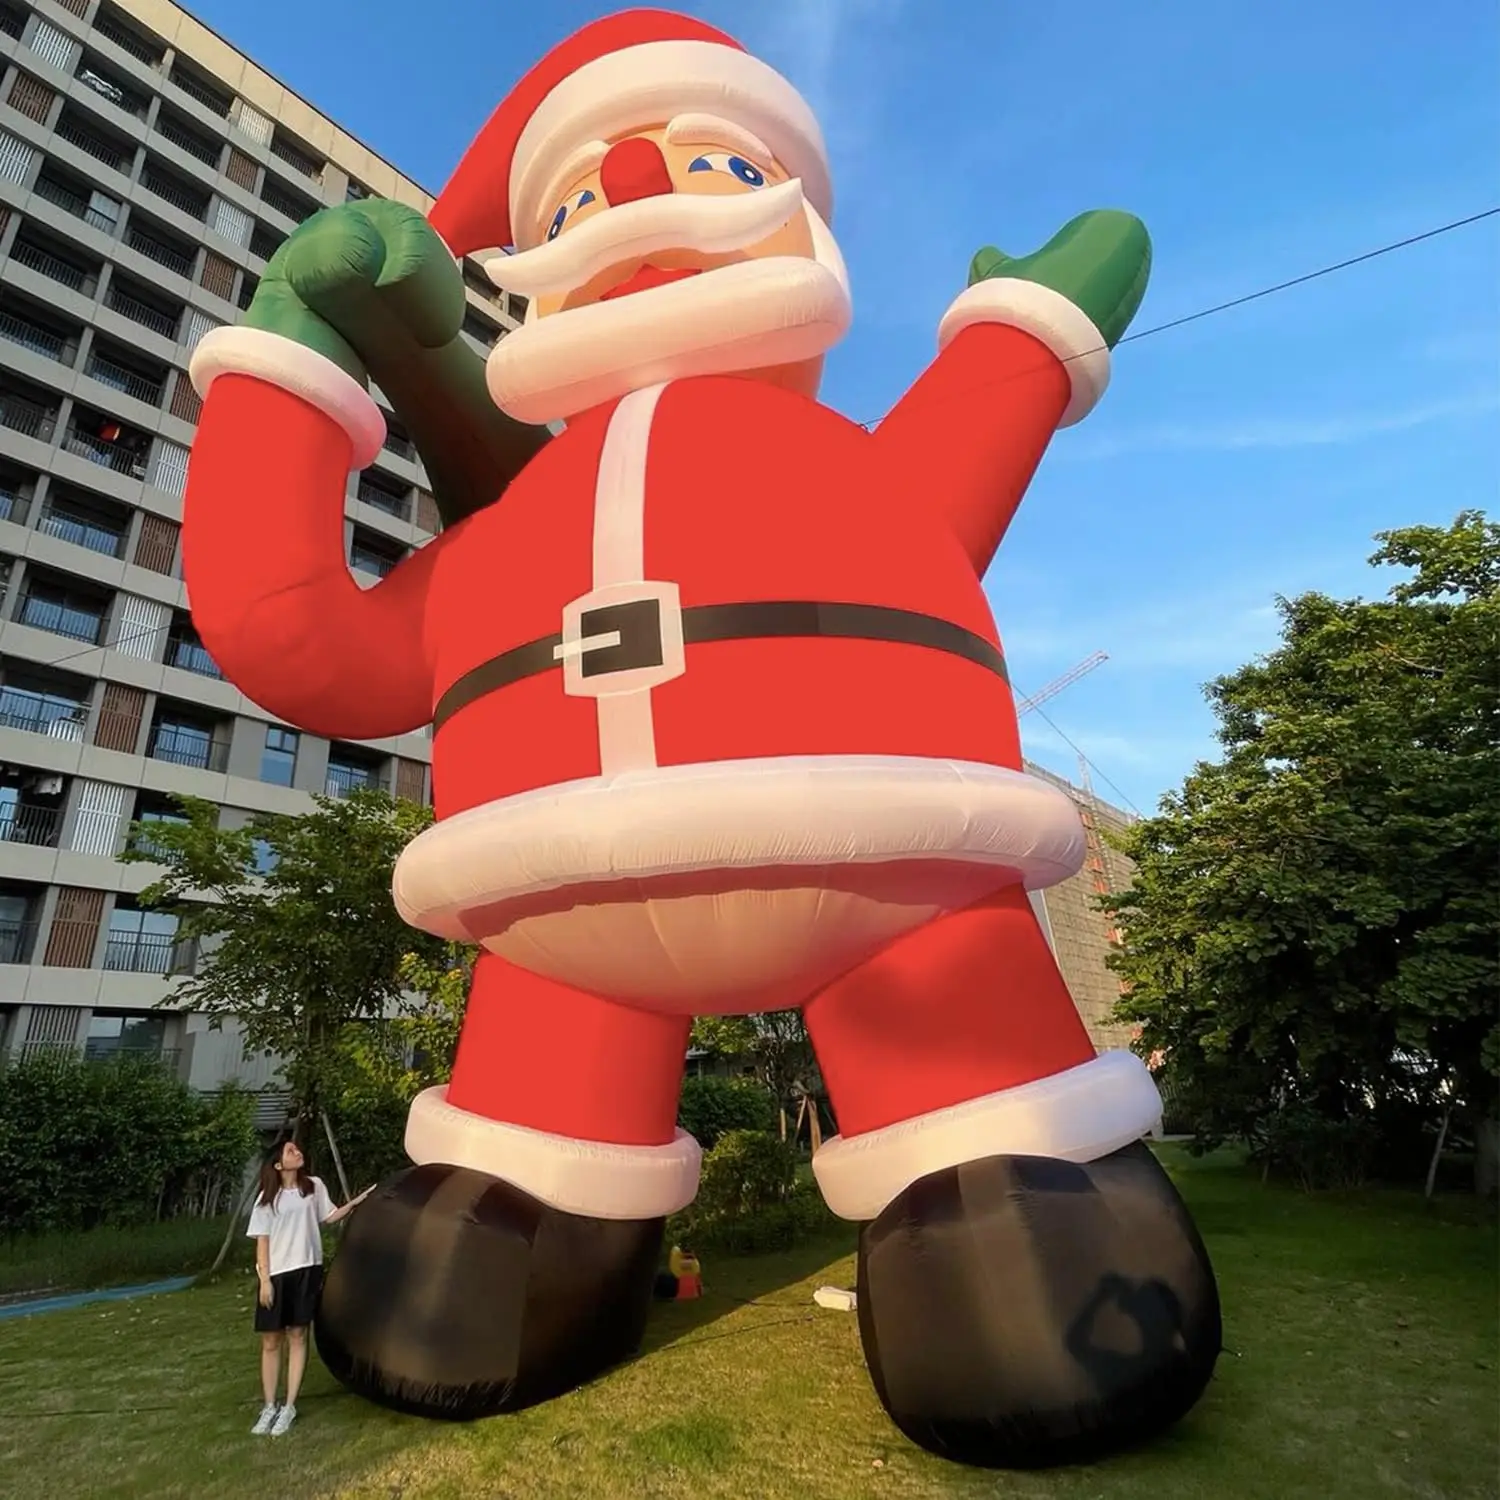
x: 47, y: 786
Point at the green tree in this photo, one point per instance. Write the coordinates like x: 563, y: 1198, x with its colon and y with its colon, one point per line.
x: 1312, y: 928
x: 383, y: 1065
x: 301, y: 942
x: 773, y: 1044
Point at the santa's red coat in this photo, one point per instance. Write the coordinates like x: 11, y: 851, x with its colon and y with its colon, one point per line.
x: 751, y: 493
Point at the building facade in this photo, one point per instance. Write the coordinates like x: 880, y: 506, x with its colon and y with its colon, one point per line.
x: 147, y: 172
x: 1082, y: 936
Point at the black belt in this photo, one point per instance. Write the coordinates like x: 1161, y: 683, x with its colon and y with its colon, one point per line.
x: 638, y: 624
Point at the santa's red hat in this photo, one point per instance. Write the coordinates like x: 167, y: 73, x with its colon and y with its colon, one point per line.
x: 631, y: 71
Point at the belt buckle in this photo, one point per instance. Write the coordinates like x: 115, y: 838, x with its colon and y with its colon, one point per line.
x: 622, y: 638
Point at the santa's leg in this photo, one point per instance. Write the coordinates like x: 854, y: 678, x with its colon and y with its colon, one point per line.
x: 1032, y: 1289
x: 517, y: 1258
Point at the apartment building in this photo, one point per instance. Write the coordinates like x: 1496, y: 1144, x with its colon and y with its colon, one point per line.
x: 147, y: 172
x: 1082, y: 936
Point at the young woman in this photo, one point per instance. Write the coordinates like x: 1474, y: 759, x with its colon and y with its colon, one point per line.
x: 286, y: 1224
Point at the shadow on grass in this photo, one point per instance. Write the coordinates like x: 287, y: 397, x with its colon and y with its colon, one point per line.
x: 759, y: 1281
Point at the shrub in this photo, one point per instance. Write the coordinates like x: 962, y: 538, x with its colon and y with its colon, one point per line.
x: 371, y: 1133
x: 747, y: 1171
x: 711, y: 1107
x: 800, y: 1217
x: 1313, y: 1149
x: 118, y: 1142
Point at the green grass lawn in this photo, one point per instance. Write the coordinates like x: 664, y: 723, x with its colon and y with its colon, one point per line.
x: 1363, y: 1331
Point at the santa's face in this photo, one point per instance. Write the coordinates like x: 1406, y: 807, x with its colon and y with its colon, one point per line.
x: 680, y: 250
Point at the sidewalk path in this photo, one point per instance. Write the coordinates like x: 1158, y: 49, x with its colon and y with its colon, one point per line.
x: 79, y: 1299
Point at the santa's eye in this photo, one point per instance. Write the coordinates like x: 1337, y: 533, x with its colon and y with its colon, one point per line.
x: 736, y: 166
x: 577, y: 201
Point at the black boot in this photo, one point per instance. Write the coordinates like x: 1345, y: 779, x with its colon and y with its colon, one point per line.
x: 1020, y: 1312
x: 456, y: 1295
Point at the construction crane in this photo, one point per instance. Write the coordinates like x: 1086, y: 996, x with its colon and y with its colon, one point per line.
x: 1065, y: 681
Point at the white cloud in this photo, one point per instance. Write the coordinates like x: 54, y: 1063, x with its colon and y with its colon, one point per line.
x: 1204, y: 636
x: 834, y: 52
x: 1276, y: 432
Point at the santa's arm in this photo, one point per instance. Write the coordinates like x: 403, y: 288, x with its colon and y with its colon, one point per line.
x: 263, y: 544
x: 1015, y: 362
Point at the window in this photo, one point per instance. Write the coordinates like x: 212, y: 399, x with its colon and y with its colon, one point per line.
x: 41, y: 712
x: 112, y: 1034
x: 140, y: 942
x: 185, y: 743
x: 279, y: 759
x: 62, y: 610
x: 372, y: 554
x: 345, y: 776
x: 16, y: 927
x: 144, y: 843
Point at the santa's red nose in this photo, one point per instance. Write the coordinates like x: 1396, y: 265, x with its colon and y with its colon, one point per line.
x: 634, y: 169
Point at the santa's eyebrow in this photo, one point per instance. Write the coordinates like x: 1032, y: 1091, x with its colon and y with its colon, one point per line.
x: 576, y: 164
x: 710, y: 130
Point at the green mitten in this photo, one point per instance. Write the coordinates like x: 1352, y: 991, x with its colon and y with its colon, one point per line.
x: 372, y: 287
x: 1100, y: 261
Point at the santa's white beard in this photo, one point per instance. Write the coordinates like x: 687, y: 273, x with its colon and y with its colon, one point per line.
x: 751, y: 315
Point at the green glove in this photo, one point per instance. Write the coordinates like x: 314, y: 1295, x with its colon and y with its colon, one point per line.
x: 1100, y: 261
x: 370, y: 286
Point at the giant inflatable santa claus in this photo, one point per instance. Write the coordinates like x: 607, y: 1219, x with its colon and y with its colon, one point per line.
x: 721, y: 724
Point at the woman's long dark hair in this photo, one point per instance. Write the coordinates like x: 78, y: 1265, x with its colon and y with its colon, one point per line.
x: 270, y: 1175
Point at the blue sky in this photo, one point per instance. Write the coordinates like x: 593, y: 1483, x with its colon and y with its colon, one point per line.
x: 1250, y: 454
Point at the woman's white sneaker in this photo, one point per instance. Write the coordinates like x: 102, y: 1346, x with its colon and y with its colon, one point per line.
x: 284, y: 1419
x: 267, y: 1418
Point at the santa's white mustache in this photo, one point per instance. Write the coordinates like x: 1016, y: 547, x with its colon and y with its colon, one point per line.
x: 709, y: 223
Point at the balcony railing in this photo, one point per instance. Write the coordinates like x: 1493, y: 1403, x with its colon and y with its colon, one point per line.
x: 341, y: 780
x: 29, y: 825
x: 29, y: 335
x: 101, y: 148
x: 74, y: 203
x: 12, y: 22
x: 292, y: 205
x: 107, y: 455
x: 61, y: 619
x: 39, y: 714
x: 183, y: 199
x: 149, y: 953
x: 118, y: 378
x: 208, y: 152
x: 297, y: 160
x: 160, y: 251
x: 88, y: 534
x: 202, y: 93
x: 392, y: 505
x: 189, y: 750
x: 16, y: 940
x: 106, y: 1050
x: 369, y: 562
x: 13, y: 506
x: 143, y: 313
x: 192, y: 656
x: 127, y: 41
x: 34, y: 258
x: 400, y: 445
x: 27, y: 418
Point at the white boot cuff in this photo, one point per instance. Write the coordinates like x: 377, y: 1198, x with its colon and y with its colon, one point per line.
x: 1077, y: 1115
x: 595, y: 1179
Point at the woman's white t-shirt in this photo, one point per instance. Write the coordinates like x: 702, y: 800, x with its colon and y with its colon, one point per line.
x: 291, y: 1224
